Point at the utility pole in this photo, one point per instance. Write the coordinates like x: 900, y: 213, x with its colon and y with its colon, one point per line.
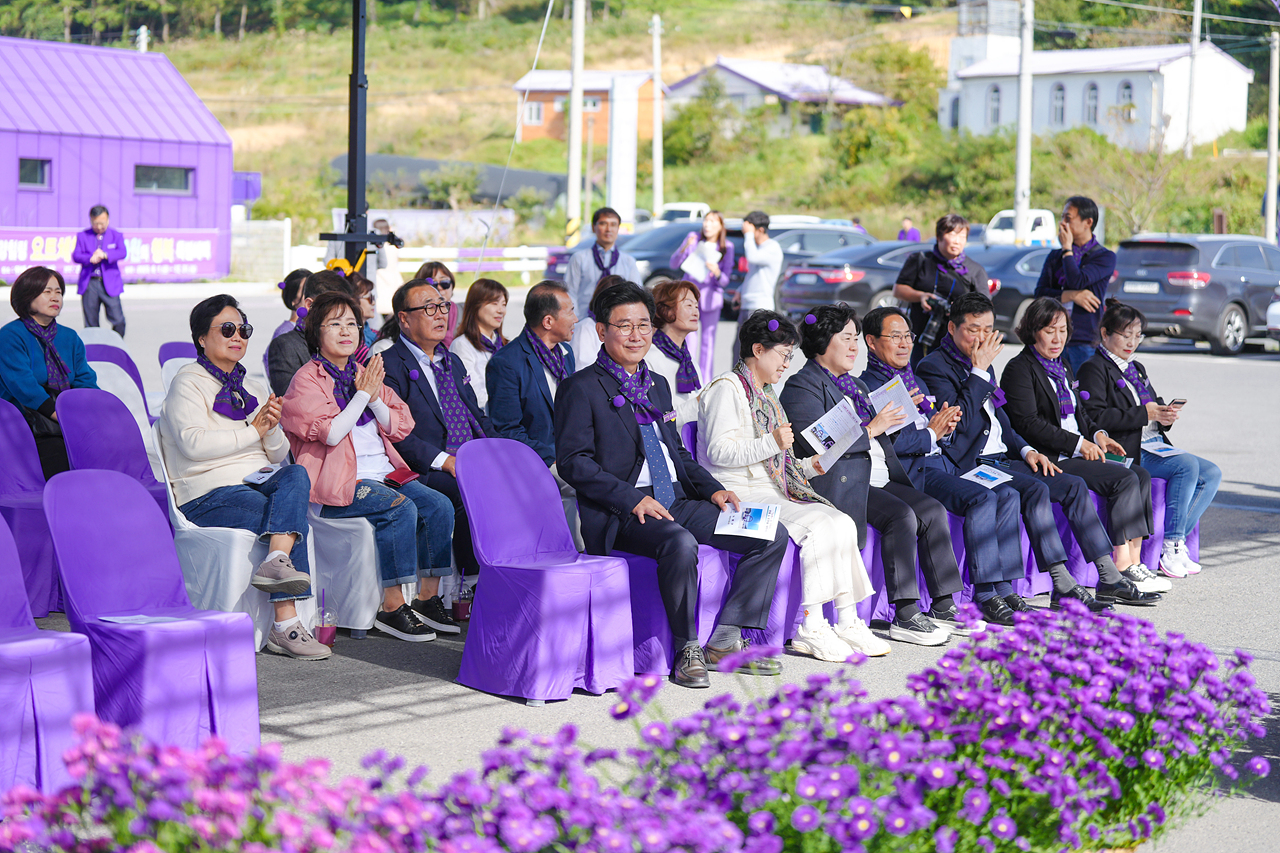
x: 1191, y: 76
x: 573, y: 201
x: 1022, y: 173
x: 586, y: 172
x: 1273, y: 117
x: 655, y: 27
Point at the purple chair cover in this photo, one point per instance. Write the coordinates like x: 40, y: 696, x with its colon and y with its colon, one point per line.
x: 650, y: 630
x: 115, y: 355
x: 46, y: 679
x: 177, y: 682
x: 689, y: 437
x: 100, y: 433
x: 546, y: 619
x: 22, y: 507
x: 176, y: 349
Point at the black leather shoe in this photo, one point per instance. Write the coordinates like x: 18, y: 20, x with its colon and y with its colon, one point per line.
x: 996, y: 612
x: 1126, y: 593
x: 690, y: 669
x: 1081, y: 595
x: 1018, y: 604
x: 759, y: 666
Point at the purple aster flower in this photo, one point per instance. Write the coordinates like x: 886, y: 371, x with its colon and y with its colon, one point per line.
x: 1259, y: 766
x: 806, y: 818
x: 1003, y: 827
x: 944, y: 839
x: 761, y: 822
x: 657, y: 734
x: 863, y: 827
x: 897, y: 822
x: 1153, y: 758
x: 938, y: 774
x: 807, y: 786
x: 976, y: 804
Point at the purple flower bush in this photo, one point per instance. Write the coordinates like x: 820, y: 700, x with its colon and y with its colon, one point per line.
x: 1068, y: 731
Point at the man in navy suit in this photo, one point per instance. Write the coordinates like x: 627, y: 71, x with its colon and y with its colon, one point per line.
x: 960, y: 370
x: 434, y: 384
x: 640, y: 491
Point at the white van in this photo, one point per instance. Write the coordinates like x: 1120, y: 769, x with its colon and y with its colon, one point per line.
x: 1044, y: 229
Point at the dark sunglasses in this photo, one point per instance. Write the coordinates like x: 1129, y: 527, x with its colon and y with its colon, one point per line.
x: 229, y: 329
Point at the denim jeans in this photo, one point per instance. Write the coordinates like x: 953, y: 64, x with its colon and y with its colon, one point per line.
x: 278, y: 506
x: 1193, y: 482
x: 412, y: 525
x: 1077, y: 354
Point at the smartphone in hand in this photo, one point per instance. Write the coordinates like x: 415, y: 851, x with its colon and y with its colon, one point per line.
x: 1177, y: 404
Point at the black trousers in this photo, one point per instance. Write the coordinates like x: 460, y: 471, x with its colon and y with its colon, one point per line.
x: 1127, y: 491
x: 1072, y: 494
x: 910, y: 521
x: 463, y: 548
x: 674, y: 544
x: 53, y: 455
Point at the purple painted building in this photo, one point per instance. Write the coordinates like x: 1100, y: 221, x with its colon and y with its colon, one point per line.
x: 81, y: 126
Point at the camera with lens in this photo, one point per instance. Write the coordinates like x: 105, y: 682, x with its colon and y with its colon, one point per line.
x: 939, y: 308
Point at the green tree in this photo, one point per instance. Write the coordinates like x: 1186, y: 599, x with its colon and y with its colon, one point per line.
x: 693, y: 133
x: 454, y: 183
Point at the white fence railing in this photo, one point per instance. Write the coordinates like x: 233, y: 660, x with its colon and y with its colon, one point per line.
x: 522, y: 259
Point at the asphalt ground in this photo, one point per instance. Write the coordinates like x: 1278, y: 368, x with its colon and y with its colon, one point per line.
x: 380, y: 693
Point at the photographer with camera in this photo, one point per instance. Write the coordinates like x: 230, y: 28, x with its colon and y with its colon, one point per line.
x: 930, y: 281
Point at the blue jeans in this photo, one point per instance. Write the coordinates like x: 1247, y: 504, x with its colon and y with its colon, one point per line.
x: 412, y: 525
x: 1078, y: 354
x: 1193, y: 482
x: 278, y: 506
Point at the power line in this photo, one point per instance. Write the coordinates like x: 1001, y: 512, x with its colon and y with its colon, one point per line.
x: 1144, y: 8
x: 1050, y: 26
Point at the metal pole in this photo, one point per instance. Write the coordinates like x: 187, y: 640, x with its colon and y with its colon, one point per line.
x: 655, y: 27
x: 357, y: 215
x: 586, y: 170
x: 573, y: 201
x: 1022, y: 174
x: 1273, y: 118
x: 1191, y: 76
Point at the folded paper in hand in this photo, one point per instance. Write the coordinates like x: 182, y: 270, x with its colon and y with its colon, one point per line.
x: 1159, y: 448
x: 895, y: 391
x: 834, y: 433
x: 759, y: 521
x: 695, y: 265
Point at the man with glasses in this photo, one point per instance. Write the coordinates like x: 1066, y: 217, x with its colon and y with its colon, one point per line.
x: 640, y: 491
x: 288, y: 352
x: 446, y: 415
x: 601, y: 259
x: 99, y: 251
x: 1078, y: 276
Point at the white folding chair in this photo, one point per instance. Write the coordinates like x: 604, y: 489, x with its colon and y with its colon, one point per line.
x: 102, y: 335
x: 114, y: 379
x: 170, y: 369
x: 346, y: 568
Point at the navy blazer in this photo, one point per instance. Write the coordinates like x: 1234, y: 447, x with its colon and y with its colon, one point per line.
x: 912, y: 444
x: 1112, y: 407
x: 599, y: 453
x: 520, y: 403
x: 427, y: 441
x: 954, y: 383
x: 808, y: 395
x: 1093, y: 273
x: 1034, y: 408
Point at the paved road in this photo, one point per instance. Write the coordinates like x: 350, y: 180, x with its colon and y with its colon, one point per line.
x: 382, y: 693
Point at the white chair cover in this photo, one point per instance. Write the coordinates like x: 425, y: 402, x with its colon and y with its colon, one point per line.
x: 346, y: 568
x: 381, y: 346
x: 113, y: 379
x: 170, y: 369
x: 102, y: 335
x: 218, y: 563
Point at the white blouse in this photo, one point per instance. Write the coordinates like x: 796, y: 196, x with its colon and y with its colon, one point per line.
x: 476, y: 362
x: 686, y: 405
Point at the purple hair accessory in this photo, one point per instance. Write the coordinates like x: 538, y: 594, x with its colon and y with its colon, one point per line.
x: 810, y: 319
x: 413, y: 374
x: 280, y: 284
x: 619, y: 401
x: 773, y: 325
x: 302, y: 311
x: 1084, y: 395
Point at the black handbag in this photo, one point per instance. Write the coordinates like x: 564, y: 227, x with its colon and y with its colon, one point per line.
x: 42, y: 426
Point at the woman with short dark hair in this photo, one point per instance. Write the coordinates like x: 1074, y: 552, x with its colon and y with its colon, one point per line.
x: 1122, y: 399
x: 678, y: 315
x: 942, y: 273
x: 40, y: 359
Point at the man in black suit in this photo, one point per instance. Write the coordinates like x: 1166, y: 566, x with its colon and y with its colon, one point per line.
x: 434, y: 384
x: 640, y: 491
x: 960, y: 370
x: 869, y: 484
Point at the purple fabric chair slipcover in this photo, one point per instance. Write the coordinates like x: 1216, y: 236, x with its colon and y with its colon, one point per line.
x: 176, y: 349
x: 689, y: 438
x: 650, y: 630
x: 115, y: 355
x: 22, y: 507
x: 179, y: 681
x: 546, y: 619
x: 101, y: 434
x: 46, y: 679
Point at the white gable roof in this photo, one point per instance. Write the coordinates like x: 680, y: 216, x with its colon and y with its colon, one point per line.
x: 1046, y: 63
x: 793, y: 82
x: 592, y: 81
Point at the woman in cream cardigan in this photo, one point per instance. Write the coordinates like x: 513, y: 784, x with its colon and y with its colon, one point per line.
x: 745, y: 442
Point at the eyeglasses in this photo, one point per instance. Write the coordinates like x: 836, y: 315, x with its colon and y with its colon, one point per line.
x: 899, y: 337
x: 431, y: 308
x: 341, y: 327
x: 626, y: 329
x: 1131, y: 339
x: 229, y: 329
x: 786, y: 356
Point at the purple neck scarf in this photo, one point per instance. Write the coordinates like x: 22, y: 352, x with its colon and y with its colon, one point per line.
x: 459, y: 423
x: 597, y: 254
x: 1058, y: 374
x: 876, y: 365
x: 1077, y: 252
x: 59, y: 377
x: 344, y: 385
x: 956, y: 265
x: 491, y: 346
x: 1133, y: 377
x: 635, y: 387
x: 232, y: 400
x: 687, y: 380
x: 301, y: 326
x: 953, y: 352
x: 552, y: 359
x: 846, y: 383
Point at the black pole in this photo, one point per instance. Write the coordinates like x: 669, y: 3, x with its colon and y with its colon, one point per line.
x: 357, y: 217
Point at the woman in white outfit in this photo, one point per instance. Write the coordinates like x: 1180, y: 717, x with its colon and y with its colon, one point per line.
x: 480, y: 332
x: 670, y: 357
x: 745, y: 441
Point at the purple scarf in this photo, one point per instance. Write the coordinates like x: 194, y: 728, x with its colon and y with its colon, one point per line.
x: 956, y: 265
x: 953, y: 352
x: 1134, y: 378
x: 1077, y: 252
x: 459, y: 423
x: 552, y: 359
x: 301, y: 326
x: 1058, y: 373
x: 846, y: 383
x: 232, y: 400
x: 687, y: 380
x: 635, y: 387
x: 344, y: 385
x: 598, y: 256
x: 59, y: 377
x: 874, y: 363
x: 491, y: 346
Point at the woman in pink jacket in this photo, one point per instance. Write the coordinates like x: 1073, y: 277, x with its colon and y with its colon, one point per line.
x: 341, y: 421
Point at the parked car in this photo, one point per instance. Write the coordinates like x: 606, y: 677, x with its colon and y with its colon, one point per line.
x: 861, y: 275
x: 1014, y: 272
x: 999, y: 231
x: 1214, y: 287
x: 682, y: 211
x: 1273, y: 316
x: 558, y: 256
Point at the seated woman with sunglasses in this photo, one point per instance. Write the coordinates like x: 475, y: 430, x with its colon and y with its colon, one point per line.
x: 217, y: 429
x: 341, y: 421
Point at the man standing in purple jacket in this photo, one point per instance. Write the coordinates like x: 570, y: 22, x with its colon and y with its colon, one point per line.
x: 99, y: 251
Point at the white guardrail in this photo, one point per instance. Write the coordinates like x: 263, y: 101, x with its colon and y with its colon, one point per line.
x: 525, y: 260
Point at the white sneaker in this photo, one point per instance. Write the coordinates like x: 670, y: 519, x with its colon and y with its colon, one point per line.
x: 1183, y: 556
x: 821, y: 643
x: 860, y: 638
x: 1170, y: 565
x: 1145, y: 581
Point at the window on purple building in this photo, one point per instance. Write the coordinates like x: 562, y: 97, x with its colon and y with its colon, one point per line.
x: 166, y: 180
x: 35, y: 174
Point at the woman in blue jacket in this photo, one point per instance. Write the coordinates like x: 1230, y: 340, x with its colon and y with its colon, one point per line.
x: 40, y: 359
